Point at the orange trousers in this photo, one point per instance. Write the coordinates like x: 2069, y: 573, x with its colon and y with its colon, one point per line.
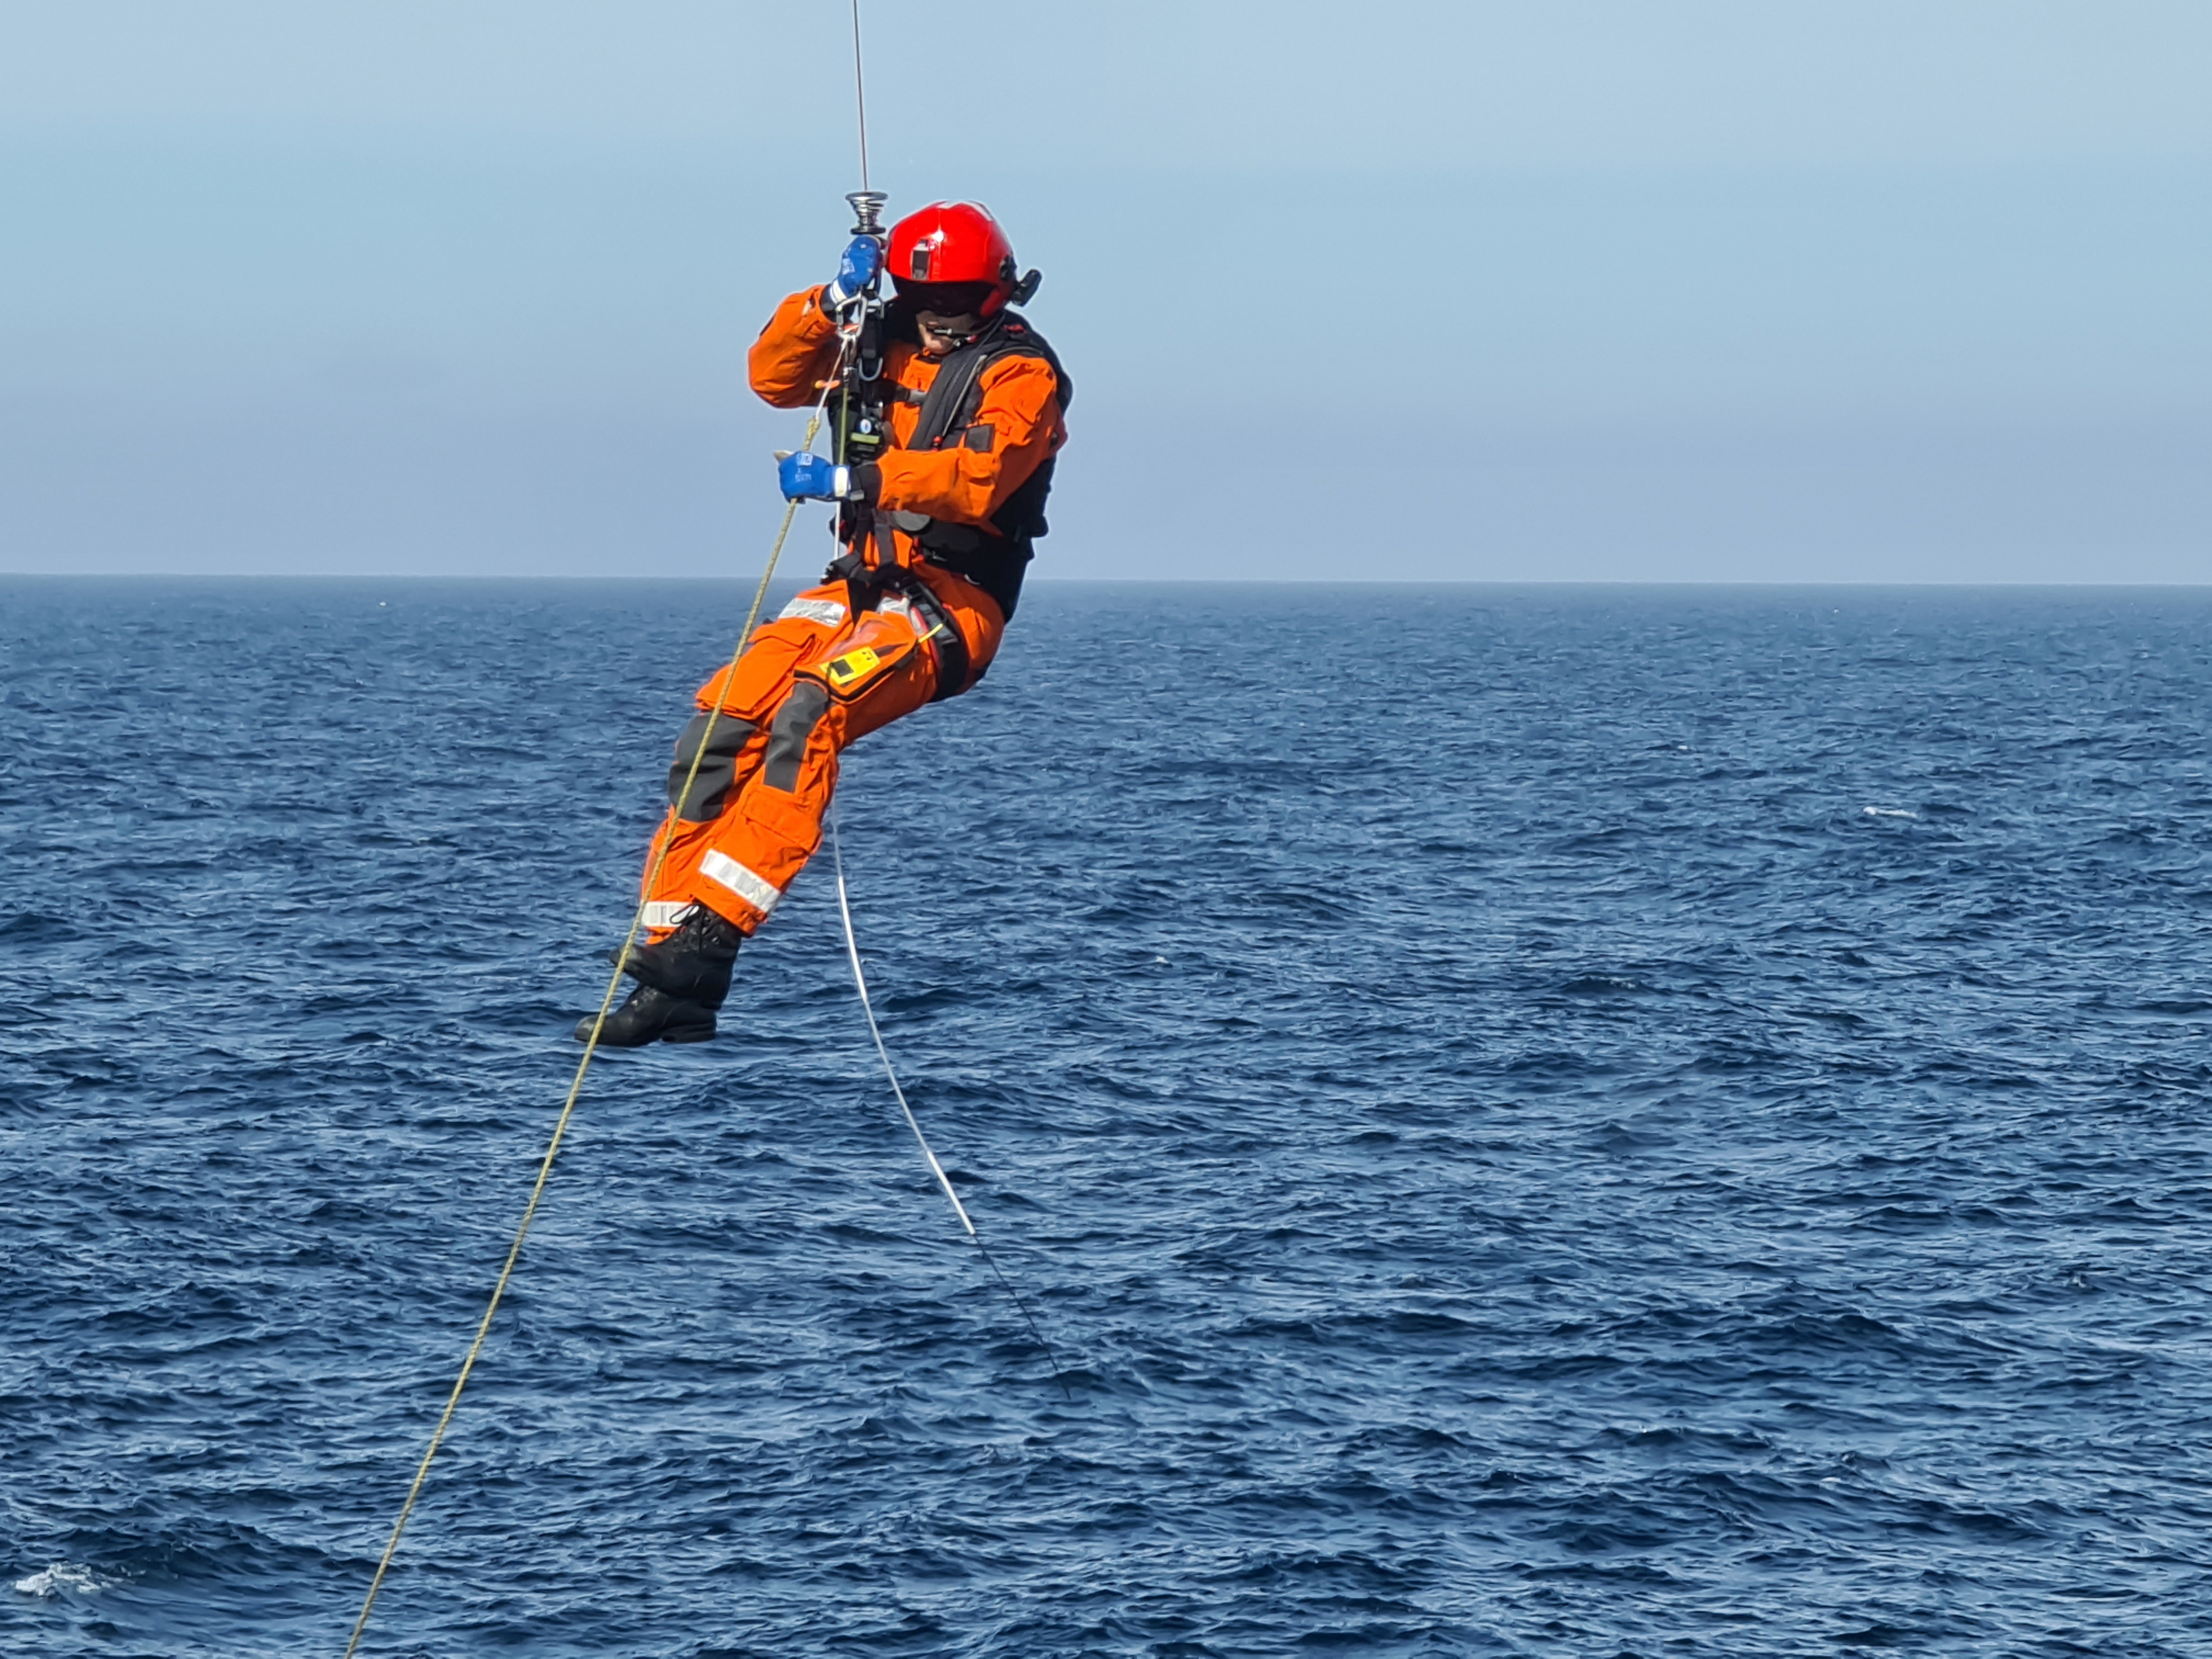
x: 817, y: 679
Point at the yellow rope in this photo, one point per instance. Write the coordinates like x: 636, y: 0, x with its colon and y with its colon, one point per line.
x: 576, y: 1086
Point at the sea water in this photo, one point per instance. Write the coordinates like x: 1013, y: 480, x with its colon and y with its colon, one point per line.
x: 1593, y: 1122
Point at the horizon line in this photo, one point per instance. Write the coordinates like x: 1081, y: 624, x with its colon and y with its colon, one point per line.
x: 1033, y: 582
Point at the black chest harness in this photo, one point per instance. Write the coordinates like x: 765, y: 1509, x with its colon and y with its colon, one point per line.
x: 994, y: 562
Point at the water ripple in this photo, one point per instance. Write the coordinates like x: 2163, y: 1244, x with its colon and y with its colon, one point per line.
x: 1541, y: 1121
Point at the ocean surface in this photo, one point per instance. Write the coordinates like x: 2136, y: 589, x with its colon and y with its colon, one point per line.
x: 1598, y: 1121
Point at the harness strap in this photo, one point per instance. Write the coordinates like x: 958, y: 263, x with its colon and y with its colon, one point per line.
x: 866, y: 584
x: 945, y: 405
x: 888, y: 556
x: 950, y: 403
x: 952, y: 658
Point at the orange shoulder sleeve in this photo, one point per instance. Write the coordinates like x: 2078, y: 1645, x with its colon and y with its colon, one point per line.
x: 795, y: 352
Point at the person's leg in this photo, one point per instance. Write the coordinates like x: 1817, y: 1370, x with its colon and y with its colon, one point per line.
x: 800, y: 698
x: 683, y: 967
x: 882, y: 665
x: 735, y: 709
x: 867, y: 676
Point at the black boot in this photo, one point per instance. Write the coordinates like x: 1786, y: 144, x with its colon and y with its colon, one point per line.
x: 651, y: 1016
x: 682, y: 979
x: 693, y: 962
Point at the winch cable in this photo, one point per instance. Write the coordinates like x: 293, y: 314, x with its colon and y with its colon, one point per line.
x: 891, y: 1072
x: 591, y: 1044
x: 860, y: 94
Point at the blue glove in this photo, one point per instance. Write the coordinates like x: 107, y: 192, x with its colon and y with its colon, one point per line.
x: 813, y: 478
x: 862, y: 259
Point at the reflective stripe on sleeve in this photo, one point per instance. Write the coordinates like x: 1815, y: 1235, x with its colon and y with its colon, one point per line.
x: 752, y: 889
x: 827, y: 611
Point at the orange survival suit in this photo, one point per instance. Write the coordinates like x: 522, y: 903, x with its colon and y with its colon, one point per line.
x: 912, y: 614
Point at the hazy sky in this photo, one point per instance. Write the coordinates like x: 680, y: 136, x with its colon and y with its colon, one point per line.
x: 1763, y: 289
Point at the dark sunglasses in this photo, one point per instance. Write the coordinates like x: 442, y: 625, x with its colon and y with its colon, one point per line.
x: 945, y: 298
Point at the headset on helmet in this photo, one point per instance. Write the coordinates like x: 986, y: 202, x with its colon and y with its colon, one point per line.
x: 957, y: 242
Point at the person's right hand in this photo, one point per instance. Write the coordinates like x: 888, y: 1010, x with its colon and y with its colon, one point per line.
x: 863, y: 258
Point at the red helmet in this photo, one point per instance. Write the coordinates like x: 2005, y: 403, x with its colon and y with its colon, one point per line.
x: 953, y: 242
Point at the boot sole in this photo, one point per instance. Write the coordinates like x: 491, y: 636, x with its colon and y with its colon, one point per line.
x: 682, y: 1034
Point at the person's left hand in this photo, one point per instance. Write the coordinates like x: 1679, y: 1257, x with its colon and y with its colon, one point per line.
x: 808, y: 477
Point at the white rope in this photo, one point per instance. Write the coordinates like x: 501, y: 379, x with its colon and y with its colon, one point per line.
x: 867, y: 1008
x: 875, y: 1030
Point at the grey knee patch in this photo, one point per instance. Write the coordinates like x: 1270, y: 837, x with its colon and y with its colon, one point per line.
x: 718, y: 767
x: 790, y: 731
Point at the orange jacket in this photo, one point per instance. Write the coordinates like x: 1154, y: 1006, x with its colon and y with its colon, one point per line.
x: 1020, y: 407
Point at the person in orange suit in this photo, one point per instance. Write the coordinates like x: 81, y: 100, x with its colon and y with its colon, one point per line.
x: 952, y: 408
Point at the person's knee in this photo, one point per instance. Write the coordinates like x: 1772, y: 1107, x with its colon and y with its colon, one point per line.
x: 791, y: 732
x: 714, y: 755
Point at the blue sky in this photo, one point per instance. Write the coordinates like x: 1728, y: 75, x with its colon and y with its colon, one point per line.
x: 1577, y: 291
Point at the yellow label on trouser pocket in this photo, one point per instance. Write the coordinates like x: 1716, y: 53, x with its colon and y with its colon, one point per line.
x: 854, y: 665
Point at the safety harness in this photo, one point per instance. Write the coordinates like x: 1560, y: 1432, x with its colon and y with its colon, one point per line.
x: 994, y: 562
